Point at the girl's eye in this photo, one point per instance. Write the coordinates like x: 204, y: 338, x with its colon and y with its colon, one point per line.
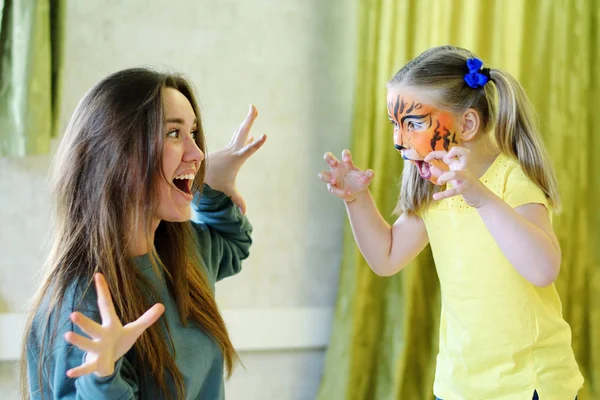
x: 393, y: 123
x: 173, y: 133
x: 412, y: 125
x: 194, y: 135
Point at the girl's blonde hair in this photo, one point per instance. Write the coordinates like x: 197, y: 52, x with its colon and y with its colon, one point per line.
x: 507, y: 109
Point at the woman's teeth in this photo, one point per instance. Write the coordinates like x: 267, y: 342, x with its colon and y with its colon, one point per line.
x: 185, y: 176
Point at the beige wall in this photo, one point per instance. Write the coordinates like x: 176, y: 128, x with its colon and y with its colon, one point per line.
x: 295, y: 61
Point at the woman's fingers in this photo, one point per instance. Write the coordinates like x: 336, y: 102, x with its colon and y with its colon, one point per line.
x: 82, y: 342
x: 89, y: 326
x: 111, y: 339
x: 105, y: 303
x: 147, y: 319
x: 239, y: 201
x: 84, y: 369
x: 253, y: 146
x: 241, y: 135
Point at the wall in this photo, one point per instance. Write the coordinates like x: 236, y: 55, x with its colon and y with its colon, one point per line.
x: 295, y: 61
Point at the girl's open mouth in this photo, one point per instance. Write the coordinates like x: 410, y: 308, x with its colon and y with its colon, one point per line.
x: 424, y: 169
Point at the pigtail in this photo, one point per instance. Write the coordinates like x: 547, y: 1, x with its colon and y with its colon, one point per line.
x: 517, y: 135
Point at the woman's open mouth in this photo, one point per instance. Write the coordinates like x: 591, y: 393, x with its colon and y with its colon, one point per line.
x: 183, y: 183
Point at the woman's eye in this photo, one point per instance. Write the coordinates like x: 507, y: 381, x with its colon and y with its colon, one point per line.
x: 194, y: 135
x: 173, y: 133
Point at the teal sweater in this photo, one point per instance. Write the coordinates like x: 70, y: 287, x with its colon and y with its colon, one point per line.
x: 223, y: 235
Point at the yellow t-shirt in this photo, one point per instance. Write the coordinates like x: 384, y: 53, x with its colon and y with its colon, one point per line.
x: 501, y: 337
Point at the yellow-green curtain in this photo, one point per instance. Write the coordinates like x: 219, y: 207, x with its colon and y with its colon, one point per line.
x: 384, y: 338
x: 31, y: 37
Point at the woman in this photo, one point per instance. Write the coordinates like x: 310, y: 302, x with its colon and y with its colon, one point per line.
x: 129, y: 166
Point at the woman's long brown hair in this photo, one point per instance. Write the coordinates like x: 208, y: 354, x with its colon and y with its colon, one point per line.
x: 104, y: 178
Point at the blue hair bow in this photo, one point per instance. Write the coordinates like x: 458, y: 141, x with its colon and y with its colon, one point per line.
x: 475, y: 78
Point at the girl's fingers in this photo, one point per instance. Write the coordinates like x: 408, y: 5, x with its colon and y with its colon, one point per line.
x: 82, y: 342
x: 457, y: 151
x: 448, y: 157
x: 331, y: 160
x: 347, y: 158
x: 336, y: 191
x: 435, y: 155
x: 447, y: 193
x: 105, y: 303
x: 453, y: 175
x: 367, y: 176
x: 327, y: 177
x: 457, y: 155
x: 84, y: 369
x: 436, y: 171
x: 89, y: 326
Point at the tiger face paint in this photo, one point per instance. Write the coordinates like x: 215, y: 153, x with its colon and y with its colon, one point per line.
x: 419, y: 129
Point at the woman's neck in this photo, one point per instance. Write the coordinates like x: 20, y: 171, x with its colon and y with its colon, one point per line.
x: 138, y: 244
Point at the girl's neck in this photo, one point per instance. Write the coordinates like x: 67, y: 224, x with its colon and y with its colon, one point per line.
x: 483, y: 154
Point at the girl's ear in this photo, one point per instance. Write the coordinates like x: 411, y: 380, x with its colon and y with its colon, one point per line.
x: 470, y: 125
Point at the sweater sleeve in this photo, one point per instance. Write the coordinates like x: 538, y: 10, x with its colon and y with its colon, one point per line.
x: 224, y: 233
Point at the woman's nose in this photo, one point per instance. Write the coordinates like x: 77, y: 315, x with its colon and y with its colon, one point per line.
x: 193, y: 152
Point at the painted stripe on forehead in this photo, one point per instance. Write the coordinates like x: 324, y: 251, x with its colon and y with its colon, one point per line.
x: 399, y: 105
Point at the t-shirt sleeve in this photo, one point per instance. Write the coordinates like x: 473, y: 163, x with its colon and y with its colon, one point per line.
x: 520, y: 190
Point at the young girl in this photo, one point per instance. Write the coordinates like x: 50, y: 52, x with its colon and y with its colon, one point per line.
x: 477, y: 186
x: 129, y: 166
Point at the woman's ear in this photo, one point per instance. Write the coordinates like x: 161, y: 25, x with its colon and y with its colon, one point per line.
x: 470, y: 125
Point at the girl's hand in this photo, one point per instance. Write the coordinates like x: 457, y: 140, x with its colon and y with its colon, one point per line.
x: 109, y: 341
x: 224, y: 165
x: 344, y: 179
x: 463, y: 181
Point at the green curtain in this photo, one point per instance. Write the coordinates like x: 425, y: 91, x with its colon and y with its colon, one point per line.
x: 31, y: 38
x: 384, y: 338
